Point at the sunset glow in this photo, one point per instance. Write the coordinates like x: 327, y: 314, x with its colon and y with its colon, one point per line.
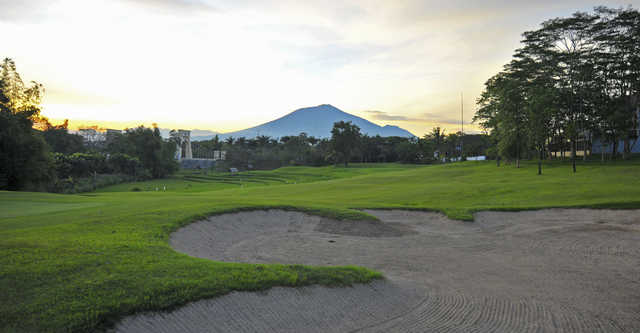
x: 228, y: 65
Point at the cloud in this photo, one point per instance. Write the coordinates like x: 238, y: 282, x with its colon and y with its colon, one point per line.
x: 20, y: 11
x: 380, y: 115
x: 443, y: 118
x: 232, y: 63
x: 427, y: 117
x: 174, y: 6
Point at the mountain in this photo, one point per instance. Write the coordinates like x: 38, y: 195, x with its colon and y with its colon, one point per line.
x: 316, y: 121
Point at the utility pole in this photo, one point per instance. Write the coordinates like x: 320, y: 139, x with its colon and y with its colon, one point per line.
x: 461, y: 125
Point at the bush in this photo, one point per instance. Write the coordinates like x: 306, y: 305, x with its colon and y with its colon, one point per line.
x: 125, y: 164
x: 24, y: 162
x: 85, y: 164
x: 87, y: 184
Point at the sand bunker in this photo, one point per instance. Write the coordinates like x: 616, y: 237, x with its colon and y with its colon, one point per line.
x: 550, y: 270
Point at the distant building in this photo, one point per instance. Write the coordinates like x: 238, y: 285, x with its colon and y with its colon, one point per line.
x: 599, y: 145
x: 111, y: 132
x: 91, y: 135
x: 219, y: 155
x: 94, y: 135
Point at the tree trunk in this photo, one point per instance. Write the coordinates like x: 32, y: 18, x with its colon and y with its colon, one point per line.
x: 518, y: 154
x: 540, y: 162
x: 573, y: 154
x: 626, y: 150
x: 498, y: 161
x: 585, y: 145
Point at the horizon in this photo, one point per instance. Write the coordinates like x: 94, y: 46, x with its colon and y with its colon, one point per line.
x: 198, y: 131
x: 227, y: 66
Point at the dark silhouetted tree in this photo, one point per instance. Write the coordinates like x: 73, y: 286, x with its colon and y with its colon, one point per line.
x: 24, y: 160
x: 345, y: 138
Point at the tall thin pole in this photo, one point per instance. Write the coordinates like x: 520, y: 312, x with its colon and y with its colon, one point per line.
x: 461, y: 125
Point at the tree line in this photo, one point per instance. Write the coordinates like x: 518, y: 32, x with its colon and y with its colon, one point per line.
x: 346, y: 144
x: 572, y: 80
x: 36, y: 155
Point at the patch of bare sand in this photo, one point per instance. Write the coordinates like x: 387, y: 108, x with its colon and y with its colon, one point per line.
x: 554, y: 270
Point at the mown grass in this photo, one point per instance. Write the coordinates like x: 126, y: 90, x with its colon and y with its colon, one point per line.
x: 80, y: 262
x: 207, y: 180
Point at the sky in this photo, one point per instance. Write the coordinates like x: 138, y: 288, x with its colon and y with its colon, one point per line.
x: 229, y: 65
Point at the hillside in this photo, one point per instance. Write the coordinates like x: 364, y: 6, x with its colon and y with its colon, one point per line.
x: 316, y: 121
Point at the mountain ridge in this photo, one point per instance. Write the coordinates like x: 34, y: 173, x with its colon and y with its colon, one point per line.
x: 316, y: 121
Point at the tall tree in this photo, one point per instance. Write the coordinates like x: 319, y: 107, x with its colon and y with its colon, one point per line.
x: 436, y: 139
x: 345, y: 137
x: 617, y: 74
x: 24, y: 160
x: 19, y: 98
x: 573, y: 78
x: 502, y: 107
x: 569, y: 42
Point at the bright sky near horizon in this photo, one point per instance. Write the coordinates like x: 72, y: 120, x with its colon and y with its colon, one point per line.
x: 229, y: 65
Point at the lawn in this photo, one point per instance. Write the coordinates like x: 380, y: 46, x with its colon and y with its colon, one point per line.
x: 80, y: 262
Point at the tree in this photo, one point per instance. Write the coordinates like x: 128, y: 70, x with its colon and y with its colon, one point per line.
x: 24, y: 160
x: 617, y: 74
x: 502, y: 109
x: 345, y: 137
x: 59, y: 138
x: 155, y: 154
x: 436, y: 139
x: 17, y: 97
x: 409, y: 151
x: 263, y: 140
x: 540, y: 110
x: 573, y: 78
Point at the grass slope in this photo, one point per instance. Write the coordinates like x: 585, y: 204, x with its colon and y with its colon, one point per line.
x: 79, y: 262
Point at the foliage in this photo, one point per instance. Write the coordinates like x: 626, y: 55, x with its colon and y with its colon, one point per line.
x: 24, y: 151
x: 82, y: 172
x: 24, y: 161
x: 572, y: 79
x: 264, y: 152
x: 146, y: 144
x: 345, y: 137
x: 124, y: 164
x: 60, y: 140
x: 16, y: 97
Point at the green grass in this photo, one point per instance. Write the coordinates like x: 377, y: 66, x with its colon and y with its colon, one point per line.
x: 80, y: 262
x: 205, y: 180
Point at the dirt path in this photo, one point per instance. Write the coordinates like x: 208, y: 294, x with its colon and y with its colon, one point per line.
x: 554, y: 270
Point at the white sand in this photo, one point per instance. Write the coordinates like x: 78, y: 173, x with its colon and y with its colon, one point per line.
x: 551, y: 270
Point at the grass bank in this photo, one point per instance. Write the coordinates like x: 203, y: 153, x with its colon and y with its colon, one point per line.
x: 79, y: 262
